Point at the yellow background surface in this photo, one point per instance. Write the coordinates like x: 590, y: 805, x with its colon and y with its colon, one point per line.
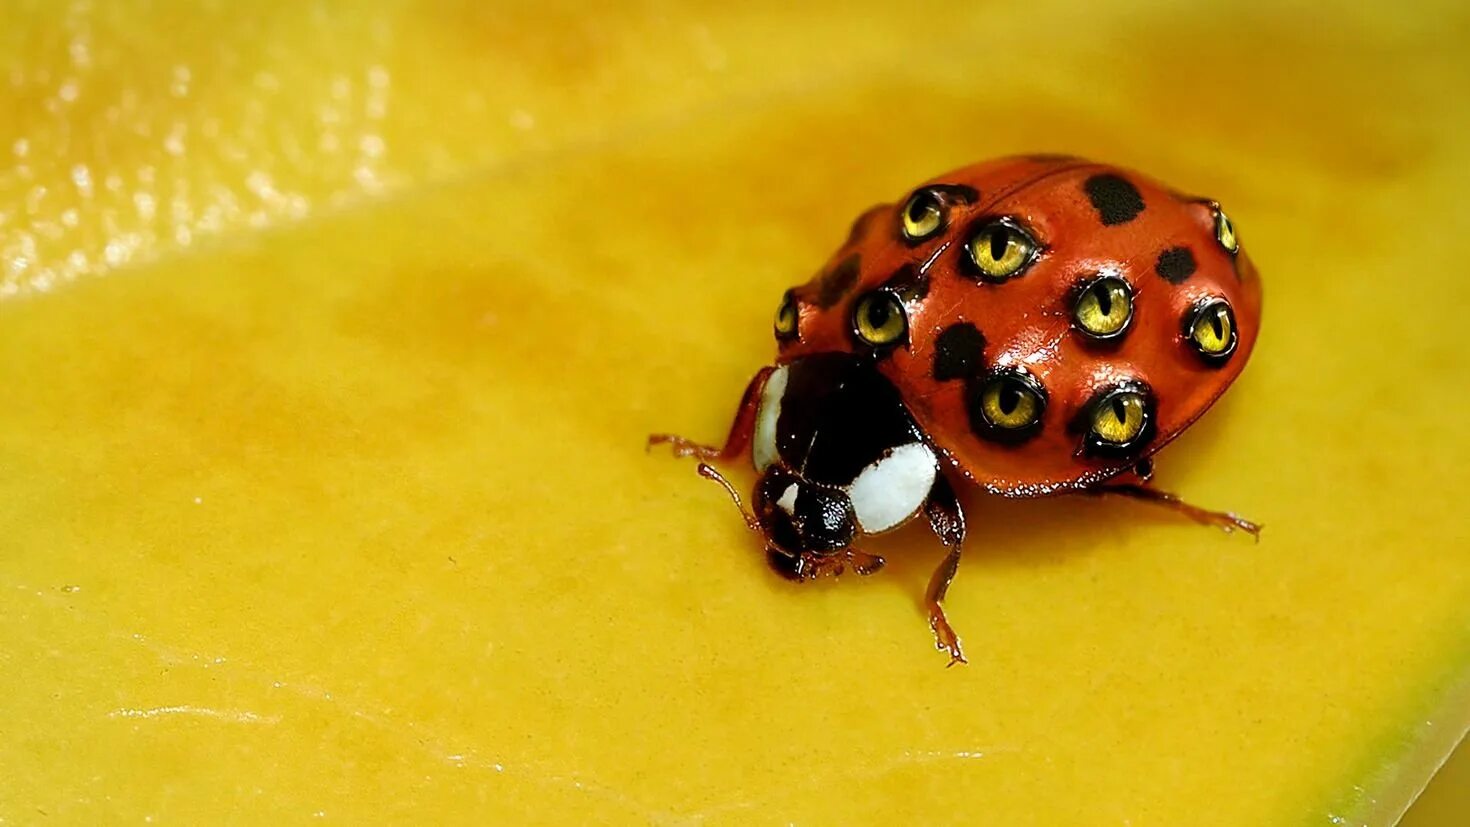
x: 332, y: 333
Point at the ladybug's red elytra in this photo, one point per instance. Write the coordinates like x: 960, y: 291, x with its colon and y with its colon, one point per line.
x: 1033, y: 325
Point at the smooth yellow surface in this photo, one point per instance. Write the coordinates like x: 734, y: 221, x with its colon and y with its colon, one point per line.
x: 333, y: 332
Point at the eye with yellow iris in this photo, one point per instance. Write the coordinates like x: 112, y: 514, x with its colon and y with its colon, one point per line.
x: 1007, y: 406
x: 923, y: 215
x: 1210, y: 328
x: 1119, y: 420
x: 926, y: 213
x: 1000, y: 250
x: 1104, y: 308
x: 878, y: 319
x: 1225, y: 232
x: 786, y: 317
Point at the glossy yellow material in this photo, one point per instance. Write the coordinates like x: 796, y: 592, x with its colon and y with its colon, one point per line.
x: 333, y: 331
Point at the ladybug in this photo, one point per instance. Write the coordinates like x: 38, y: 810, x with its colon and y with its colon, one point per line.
x: 1033, y: 326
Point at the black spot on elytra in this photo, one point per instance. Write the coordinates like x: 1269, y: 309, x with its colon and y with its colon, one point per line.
x: 907, y: 283
x: 835, y: 284
x: 1116, y: 200
x: 958, y: 351
x: 1175, y: 265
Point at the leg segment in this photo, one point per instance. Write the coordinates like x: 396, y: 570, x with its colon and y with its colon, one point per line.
x: 708, y: 472
x: 736, y: 442
x: 800, y: 568
x: 1223, y: 520
x: 948, y: 522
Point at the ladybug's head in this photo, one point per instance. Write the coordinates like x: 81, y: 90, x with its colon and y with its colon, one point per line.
x: 839, y: 456
x: 801, y: 517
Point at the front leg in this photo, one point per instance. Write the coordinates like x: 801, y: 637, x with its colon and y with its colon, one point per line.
x: 737, y: 441
x: 947, y: 520
x: 800, y: 568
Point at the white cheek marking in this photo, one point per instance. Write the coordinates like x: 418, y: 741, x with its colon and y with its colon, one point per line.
x: 890, y: 491
x: 788, y: 499
x: 763, y: 444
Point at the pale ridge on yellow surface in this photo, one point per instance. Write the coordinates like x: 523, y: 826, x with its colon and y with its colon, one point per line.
x: 325, y: 499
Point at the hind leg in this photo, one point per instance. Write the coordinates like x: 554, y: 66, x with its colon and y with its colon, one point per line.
x: 1224, y: 520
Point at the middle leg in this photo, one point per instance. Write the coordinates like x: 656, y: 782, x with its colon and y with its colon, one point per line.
x: 947, y: 520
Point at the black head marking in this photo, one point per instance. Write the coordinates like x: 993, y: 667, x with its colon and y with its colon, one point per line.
x: 789, y: 566
x: 826, y: 518
x: 907, y: 283
x: 958, y: 351
x: 835, y: 284
x: 799, y: 516
x: 1116, y: 200
x: 839, y: 415
x: 1175, y: 265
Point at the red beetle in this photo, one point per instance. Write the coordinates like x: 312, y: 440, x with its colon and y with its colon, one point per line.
x: 1034, y: 325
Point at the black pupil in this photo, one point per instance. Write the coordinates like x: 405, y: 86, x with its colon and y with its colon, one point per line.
x: 878, y: 313
x: 1104, y: 300
x: 1217, y: 322
x: 1119, y: 410
x: 1009, y: 399
x: 921, y: 208
x: 1000, y: 239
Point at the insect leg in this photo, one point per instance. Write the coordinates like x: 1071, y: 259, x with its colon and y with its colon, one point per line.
x: 1224, y: 520
x: 708, y: 472
x: 736, y: 442
x: 948, y: 522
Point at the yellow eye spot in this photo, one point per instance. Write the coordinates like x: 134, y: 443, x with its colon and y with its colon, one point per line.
x: 923, y: 216
x: 879, y: 319
x: 1001, y: 250
x: 1211, y: 329
x: 1104, y: 308
x: 1011, y: 402
x: 786, y: 317
x: 1225, y: 232
x: 1119, y: 418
